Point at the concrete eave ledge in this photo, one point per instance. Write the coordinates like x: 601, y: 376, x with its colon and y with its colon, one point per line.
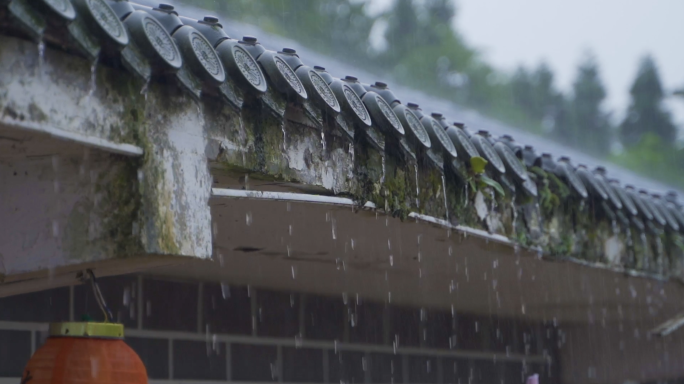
x: 101, y: 164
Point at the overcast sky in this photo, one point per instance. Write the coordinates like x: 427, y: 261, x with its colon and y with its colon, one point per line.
x: 619, y: 32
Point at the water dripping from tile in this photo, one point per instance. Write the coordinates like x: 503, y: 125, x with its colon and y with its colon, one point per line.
x: 145, y: 88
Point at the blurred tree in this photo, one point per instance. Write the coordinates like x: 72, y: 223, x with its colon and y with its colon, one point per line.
x: 535, y: 93
x: 590, y: 128
x: 655, y: 159
x: 646, y: 113
x: 403, y: 30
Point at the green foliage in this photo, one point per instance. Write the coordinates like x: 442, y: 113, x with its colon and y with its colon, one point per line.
x: 478, y: 164
x: 654, y: 158
x: 487, y: 181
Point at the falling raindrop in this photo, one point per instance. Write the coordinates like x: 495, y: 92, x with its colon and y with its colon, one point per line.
x: 248, y: 218
x: 334, y: 229
x: 126, y: 296
x: 350, y: 172
x: 41, y: 59
x: 391, y: 260
x: 94, y: 367
x: 93, y: 78
x: 225, y: 290
x: 55, y: 228
x: 145, y: 88
x: 352, y: 242
x: 282, y: 128
x: 274, y: 371
x: 294, y: 272
x: 298, y: 340
x: 382, y: 179
x: 446, y: 209
x: 415, y: 167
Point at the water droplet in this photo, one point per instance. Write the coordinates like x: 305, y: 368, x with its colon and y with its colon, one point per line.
x: 145, y: 88
x: 350, y: 172
x: 415, y: 167
x: 282, y: 128
x: 93, y: 77
x: 41, y: 59
x: 55, y: 228
x: 94, y: 367
x: 126, y: 296
x: 274, y: 371
x: 225, y: 290
x: 446, y: 208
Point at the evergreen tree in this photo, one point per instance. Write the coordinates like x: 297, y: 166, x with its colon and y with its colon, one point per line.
x: 535, y: 93
x: 646, y: 113
x: 591, y: 129
x: 403, y: 30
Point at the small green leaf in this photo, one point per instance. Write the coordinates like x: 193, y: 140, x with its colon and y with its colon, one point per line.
x: 538, y: 171
x: 492, y: 183
x: 478, y: 164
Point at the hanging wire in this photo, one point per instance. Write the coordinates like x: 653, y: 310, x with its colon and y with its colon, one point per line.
x: 99, y: 298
